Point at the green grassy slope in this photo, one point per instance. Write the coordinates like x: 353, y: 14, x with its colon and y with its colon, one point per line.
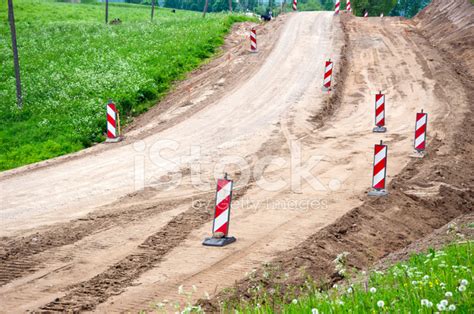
x: 437, y: 281
x: 72, y: 62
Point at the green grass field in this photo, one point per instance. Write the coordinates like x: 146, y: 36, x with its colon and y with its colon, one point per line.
x: 72, y: 62
x: 437, y: 281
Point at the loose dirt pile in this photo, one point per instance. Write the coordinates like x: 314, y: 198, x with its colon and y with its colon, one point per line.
x: 449, y: 25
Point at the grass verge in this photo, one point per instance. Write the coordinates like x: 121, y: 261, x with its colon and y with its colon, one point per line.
x: 72, y: 62
x: 437, y: 281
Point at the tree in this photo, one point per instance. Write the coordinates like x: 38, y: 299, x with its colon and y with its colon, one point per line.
x: 375, y: 7
x: 409, y: 8
x: 16, y: 62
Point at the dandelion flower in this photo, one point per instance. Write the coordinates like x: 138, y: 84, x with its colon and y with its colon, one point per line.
x: 294, y: 301
x: 448, y: 294
x: 380, y: 303
x: 464, y: 282
x: 414, y: 282
x: 373, y: 290
x: 441, y: 307
x: 314, y: 311
x: 444, y: 302
x: 462, y: 288
x: 452, y: 307
x: 426, y: 277
x: 424, y: 302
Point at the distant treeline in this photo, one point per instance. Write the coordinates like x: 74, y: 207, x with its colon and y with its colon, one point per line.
x: 407, y: 8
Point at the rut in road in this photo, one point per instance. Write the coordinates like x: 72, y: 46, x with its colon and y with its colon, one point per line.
x: 87, y: 295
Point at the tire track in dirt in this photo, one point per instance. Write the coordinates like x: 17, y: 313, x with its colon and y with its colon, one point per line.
x: 87, y: 295
x: 18, y: 256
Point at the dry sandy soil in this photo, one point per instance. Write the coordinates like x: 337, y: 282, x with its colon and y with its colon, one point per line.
x: 109, y: 229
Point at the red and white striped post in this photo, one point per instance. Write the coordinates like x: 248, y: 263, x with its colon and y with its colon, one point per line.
x: 337, y: 7
x: 380, y: 170
x: 220, y: 225
x: 295, y: 5
x: 113, y: 123
x: 328, y: 75
x: 380, y: 113
x: 253, y: 40
x: 420, y: 134
x: 348, y: 6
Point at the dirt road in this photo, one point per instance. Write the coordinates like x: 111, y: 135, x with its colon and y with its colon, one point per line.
x: 137, y: 250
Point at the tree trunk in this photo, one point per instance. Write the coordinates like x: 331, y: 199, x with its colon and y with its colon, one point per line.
x: 230, y: 5
x: 106, y: 11
x: 16, y: 62
x: 152, y: 9
x: 205, y: 8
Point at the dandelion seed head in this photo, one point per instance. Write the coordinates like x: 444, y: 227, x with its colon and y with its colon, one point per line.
x: 452, y: 307
x: 373, y: 290
x: 464, y: 282
x: 314, y: 311
x: 294, y: 301
x: 380, y: 303
x: 448, y: 294
x: 441, y: 307
x: 444, y: 302
x: 462, y: 288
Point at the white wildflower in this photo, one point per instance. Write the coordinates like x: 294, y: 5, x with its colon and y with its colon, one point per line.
x: 441, y: 307
x: 373, y: 290
x: 462, y: 288
x: 414, y: 282
x: 448, y: 294
x: 452, y: 307
x: 464, y: 282
x: 380, y: 303
x: 424, y: 302
x: 349, y: 290
x: 426, y: 277
x: 314, y: 311
x: 294, y: 301
x: 444, y: 302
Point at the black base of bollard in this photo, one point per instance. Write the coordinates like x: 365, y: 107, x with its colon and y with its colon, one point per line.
x: 218, y: 241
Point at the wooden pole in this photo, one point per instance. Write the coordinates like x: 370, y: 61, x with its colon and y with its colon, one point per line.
x: 230, y: 5
x: 152, y: 9
x: 205, y: 8
x: 106, y: 11
x: 16, y: 62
